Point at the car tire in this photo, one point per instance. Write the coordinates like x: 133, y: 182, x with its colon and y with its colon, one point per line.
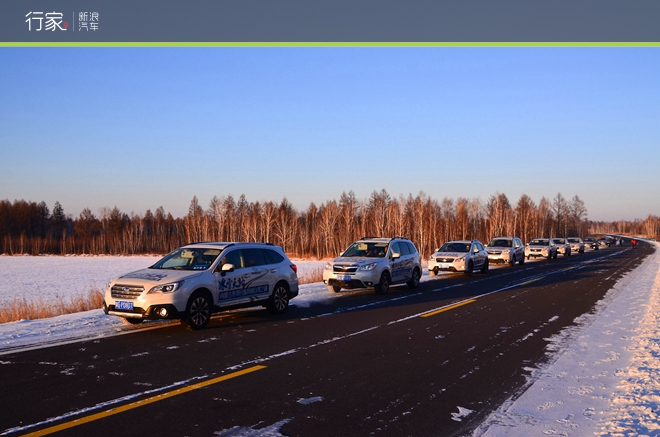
x: 130, y: 320
x: 384, y: 285
x: 334, y: 288
x: 278, y: 302
x: 522, y: 260
x: 198, y: 311
x: 433, y: 272
x: 414, y: 281
x: 469, y: 268
x: 484, y: 268
x: 556, y: 254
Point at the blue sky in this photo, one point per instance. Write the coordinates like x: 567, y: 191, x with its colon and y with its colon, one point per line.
x: 140, y: 128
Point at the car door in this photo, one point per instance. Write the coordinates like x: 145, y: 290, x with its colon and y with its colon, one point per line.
x: 518, y: 249
x: 479, y: 255
x: 406, y: 262
x: 396, y: 264
x: 246, y: 282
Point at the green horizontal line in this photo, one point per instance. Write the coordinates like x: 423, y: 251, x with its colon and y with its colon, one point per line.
x: 327, y: 44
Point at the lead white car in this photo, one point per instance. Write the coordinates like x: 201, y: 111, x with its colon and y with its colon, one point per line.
x: 459, y: 256
x: 375, y: 262
x: 197, y: 280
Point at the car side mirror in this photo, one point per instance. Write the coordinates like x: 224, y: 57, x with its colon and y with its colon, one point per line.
x: 396, y: 255
x: 226, y: 268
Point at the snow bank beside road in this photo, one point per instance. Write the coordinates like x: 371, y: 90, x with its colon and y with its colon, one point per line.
x: 606, y: 380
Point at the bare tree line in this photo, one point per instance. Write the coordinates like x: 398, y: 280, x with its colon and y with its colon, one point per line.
x: 319, y: 231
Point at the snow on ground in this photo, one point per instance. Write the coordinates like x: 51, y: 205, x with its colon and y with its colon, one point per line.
x: 604, y: 376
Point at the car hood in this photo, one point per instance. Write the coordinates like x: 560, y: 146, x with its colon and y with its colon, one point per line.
x: 450, y: 254
x: 356, y: 260
x: 156, y: 276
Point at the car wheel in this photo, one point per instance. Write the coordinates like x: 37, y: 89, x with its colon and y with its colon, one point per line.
x: 522, y: 260
x: 384, y: 284
x: 433, y: 272
x: 414, y: 281
x: 334, y: 288
x: 484, y: 268
x: 469, y: 268
x: 198, y: 311
x: 279, y: 300
x: 556, y: 254
x: 130, y: 320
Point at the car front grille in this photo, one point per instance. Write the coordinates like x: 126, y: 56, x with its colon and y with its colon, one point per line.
x: 344, y: 269
x: 444, y: 260
x: 119, y: 291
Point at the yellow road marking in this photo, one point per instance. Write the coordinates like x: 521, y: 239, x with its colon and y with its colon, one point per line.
x: 529, y: 282
x: 450, y: 307
x: 142, y: 403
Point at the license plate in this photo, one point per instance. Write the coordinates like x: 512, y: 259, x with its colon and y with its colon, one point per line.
x: 123, y: 305
x: 343, y: 278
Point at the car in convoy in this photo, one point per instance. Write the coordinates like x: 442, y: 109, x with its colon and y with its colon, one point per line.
x: 577, y: 245
x: 507, y: 250
x: 541, y: 247
x: 375, y: 263
x: 605, y: 241
x: 591, y: 243
x: 563, y: 246
x: 195, y: 281
x: 464, y: 256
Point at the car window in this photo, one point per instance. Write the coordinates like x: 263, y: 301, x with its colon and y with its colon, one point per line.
x: 404, y: 248
x: 455, y: 247
x: 234, y: 257
x: 395, y: 248
x: 411, y: 247
x: 274, y: 257
x: 253, y: 257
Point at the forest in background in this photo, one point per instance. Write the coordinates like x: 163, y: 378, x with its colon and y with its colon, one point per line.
x: 320, y: 231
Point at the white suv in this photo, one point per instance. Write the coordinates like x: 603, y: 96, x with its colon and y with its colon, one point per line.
x: 375, y: 262
x: 459, y: 256
x: 197, y: 280
x: 506, y: 250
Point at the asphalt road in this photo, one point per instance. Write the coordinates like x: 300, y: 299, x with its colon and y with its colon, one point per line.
x: 434, y: 361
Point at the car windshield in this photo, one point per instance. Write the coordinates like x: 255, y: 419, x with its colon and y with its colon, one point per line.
x: 455, y: 247
x: 188, y: 259
x: 539, y: 243
x: 558, y: 241
x: 573, y: 240
x: 499, y: 243
x: 366, y: 249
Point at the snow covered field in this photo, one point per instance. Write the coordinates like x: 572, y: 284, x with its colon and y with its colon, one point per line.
x: 603, y: 378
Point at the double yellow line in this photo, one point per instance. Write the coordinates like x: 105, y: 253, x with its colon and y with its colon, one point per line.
x: 142, y: 403
x: 447, y: 308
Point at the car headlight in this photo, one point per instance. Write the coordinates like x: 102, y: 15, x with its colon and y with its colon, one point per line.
x: 166, y: 288
x: 327, y: 266
x: 505, y: 252
x: 368, y: 267
x: 461, y: 259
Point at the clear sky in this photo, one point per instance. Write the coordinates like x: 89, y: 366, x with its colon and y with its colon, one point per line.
x: 140, y: 128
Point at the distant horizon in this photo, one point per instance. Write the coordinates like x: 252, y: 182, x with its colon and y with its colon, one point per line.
x: 144, y: 127
x: 205, y: 206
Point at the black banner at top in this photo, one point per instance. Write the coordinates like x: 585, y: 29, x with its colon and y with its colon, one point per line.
x: 337, y: 21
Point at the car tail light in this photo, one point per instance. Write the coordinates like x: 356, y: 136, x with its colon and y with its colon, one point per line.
x: 294, y: 268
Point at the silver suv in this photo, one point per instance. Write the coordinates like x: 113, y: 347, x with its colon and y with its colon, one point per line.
x: 375, y: 262
x: 199, y: 279
x: 508, y: 250
x: 563, y: 246
x: 459, y: 256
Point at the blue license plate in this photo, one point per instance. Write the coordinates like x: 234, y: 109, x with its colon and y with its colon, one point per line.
x: 123, y: 305
x: 343, y: 278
